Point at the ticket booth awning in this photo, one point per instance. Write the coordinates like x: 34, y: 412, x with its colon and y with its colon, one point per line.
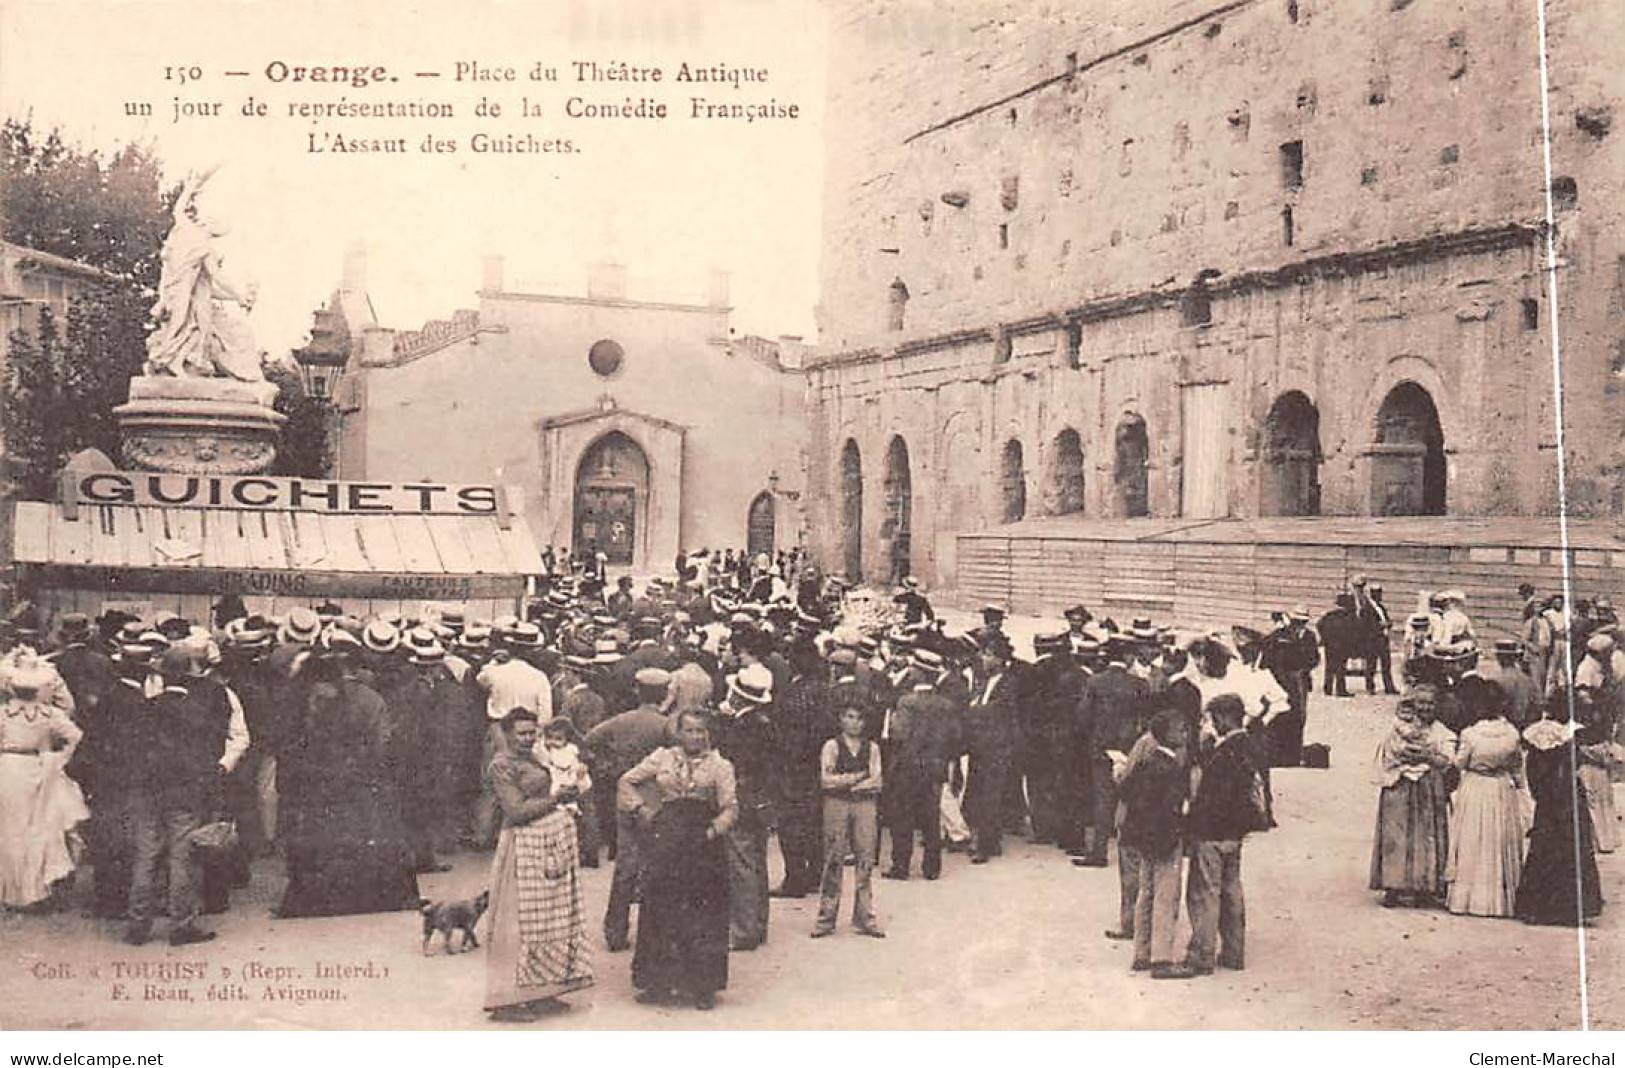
x: 279, y: 538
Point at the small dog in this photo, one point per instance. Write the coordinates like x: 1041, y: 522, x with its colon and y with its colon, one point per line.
x: 449, y: 916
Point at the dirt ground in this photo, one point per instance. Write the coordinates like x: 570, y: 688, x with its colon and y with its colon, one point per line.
x: 1015, y: 943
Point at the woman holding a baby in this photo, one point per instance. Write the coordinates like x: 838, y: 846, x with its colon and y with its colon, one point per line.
x: 1410, y: 851
x: 538, y: 947
x: 1467, y: 852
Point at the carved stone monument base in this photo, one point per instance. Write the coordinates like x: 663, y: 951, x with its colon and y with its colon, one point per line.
x: 199, y: 426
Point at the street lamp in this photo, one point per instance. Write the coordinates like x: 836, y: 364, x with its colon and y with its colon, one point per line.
x: 323, y: 360
x: 321, y: 363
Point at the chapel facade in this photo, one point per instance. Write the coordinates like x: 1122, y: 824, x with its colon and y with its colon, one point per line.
x: 637, y: 428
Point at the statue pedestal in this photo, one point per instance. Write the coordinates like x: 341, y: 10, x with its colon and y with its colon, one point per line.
x: 199, y: 426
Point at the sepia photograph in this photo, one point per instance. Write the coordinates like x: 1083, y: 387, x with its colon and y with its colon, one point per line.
x: 812, y: 515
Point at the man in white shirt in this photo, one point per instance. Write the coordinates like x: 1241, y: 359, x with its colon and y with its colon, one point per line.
x: 1216, y: 670
x: 516, y: 682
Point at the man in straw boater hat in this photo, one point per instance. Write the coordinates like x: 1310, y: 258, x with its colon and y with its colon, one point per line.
x: 1290, y: 655
x: 619, y: 692
x: 178, y: 781
x: 516, y: 682
x: 1113, y: 706
x: 743, y: 734
x: 576, y: 699
x: 112, y: 763
x: 924, y: 735
x: 1523, y: 696
x: 616, y: 746
x: 221, y: 869
x: 1380, y: 655
x: 990, y: 737
x: 296, y: 636
x: 432, y: 708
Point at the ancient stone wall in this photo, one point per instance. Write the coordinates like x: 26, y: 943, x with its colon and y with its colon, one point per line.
x: 1103, y: 218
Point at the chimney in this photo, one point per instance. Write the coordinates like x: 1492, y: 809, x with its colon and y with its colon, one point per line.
x: 716, y: 293
x: 355, y: 268
x: 606, y: 281
x: 491, y: 274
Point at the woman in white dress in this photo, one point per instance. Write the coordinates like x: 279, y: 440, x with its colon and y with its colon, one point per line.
x: 1487, y: 822
x: 39, y: 804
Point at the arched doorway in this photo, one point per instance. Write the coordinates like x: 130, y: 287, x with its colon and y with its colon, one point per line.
x: 1064, y: 488
x: 1407, y: 458
x: 899, y: 506
x: 612, y: 498
x: 1289, y: 455
x: 759, y: 525
x: 1131, y: 477
x: 1013, y: 482
x: 852, y: 511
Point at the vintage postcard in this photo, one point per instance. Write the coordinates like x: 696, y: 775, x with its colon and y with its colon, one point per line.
x: 812, y: 514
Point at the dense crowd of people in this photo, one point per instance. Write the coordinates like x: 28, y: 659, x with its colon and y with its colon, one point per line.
x: 677, y: 727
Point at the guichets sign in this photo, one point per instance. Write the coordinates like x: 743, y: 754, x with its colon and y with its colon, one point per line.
x: 261, y: 493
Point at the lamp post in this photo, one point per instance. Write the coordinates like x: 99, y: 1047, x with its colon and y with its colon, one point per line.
x: 321, y: 364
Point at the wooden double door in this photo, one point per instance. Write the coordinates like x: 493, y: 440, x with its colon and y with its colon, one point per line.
x: 606, y: 521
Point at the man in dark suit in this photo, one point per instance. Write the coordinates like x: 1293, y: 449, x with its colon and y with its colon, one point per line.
x: 1379, y: 656
x: 1291, y: 655
x: 803, y: 721
x: 1342, y: 635
x: 1077, y: 759
x: 1154, y: 791
x: 620, y: 602
x: 181, y: 780
x: 1054, y: 685
x: 87, y: 671
x: 1114, y: 707
x: 990, y: 735
x: 1222, y: 813
x: 110, y: 762
x: 925, y: 734
x: 744, y: 734
x: 916, y: 609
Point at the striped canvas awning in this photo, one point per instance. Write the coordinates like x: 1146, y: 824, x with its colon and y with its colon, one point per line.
x: 280, y: 552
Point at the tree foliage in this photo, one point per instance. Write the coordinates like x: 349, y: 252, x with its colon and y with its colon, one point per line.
x: 305, y: 452
x: 108, y: 212
x: 60, y: 386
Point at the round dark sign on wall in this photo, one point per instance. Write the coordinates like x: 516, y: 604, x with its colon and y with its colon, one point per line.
x: 606, y: 357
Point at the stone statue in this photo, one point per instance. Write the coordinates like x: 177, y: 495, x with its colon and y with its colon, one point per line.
x: 202, y: 313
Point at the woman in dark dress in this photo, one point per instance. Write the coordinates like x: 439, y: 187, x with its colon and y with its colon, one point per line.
x: 1560, y: 884
x: 684, y: 800
x: 348, y: 851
